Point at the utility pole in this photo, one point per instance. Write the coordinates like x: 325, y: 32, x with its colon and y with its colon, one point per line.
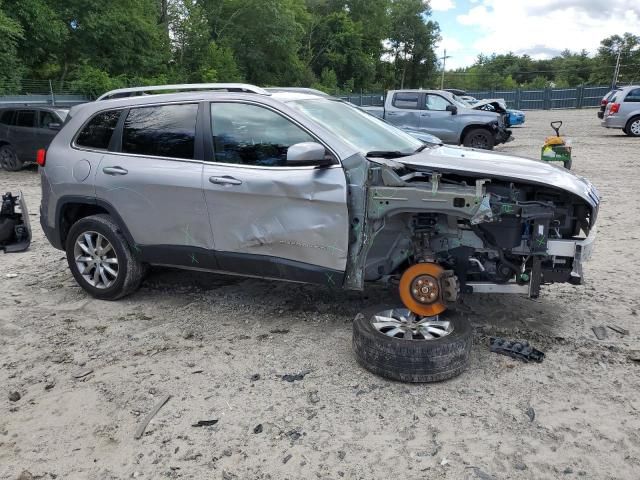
x: 614, y: 82
x: 444, y: 62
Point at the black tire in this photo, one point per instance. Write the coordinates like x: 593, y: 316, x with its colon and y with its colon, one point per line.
x: 479, y: 138
x: 633, y: 124
x: 567, y: 164
x: 130, y: 269
x: 412, y: 360
x: 9, y: 159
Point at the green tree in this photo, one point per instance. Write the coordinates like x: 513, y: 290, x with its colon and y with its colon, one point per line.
x: 10, y: 64
x: 411, y: 39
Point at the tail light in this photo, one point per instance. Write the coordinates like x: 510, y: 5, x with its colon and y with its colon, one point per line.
x: 615, y: 108
x: 41, y: 157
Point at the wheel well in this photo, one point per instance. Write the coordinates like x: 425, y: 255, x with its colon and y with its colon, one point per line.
x: 3, y: 143
x: 468, y: 128
x: 631, y: 120
x: 72, y: 212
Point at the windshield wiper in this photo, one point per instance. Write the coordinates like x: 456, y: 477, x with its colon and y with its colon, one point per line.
x: 422, y: 147
x: 386, y: 154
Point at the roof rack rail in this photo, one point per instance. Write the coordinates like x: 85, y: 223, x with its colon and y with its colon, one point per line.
x: 185, y: 87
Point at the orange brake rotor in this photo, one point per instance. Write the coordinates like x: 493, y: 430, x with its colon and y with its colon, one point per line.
x: 421, y: 289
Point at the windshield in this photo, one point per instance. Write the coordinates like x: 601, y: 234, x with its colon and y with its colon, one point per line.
x: 460, y: 102
x: 365, y: 132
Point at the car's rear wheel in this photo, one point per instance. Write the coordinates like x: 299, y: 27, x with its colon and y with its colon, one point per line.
x: 479, y: 138
x: 633, y: 127
x: 397, y: 344
x: 100, y: 258
x: 9, y: 159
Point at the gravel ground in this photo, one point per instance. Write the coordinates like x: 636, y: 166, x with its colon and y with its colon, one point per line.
x: 219, y: 346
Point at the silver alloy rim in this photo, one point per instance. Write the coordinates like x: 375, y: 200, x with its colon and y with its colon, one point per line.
x: 96, y: 259
x: 7, y: 159
x: 403, y: 324
x: 635, y: 127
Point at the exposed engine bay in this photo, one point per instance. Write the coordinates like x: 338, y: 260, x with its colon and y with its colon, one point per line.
x: 490, y: 235
x: 15, y: 230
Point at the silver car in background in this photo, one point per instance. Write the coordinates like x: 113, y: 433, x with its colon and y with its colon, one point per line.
x: 623, y: 111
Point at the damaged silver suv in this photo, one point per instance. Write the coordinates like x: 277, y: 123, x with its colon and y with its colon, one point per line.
x: 306, y: 188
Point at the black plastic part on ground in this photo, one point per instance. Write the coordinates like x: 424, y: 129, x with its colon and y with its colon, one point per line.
x: 15, y: 230
x: 412, y: 360
x: 516, y: 349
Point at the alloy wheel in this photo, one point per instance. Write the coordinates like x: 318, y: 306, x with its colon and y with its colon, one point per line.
x: 403, y: 324
x: 96, y: 259
x: 634, y: 128
x: 479, y: 141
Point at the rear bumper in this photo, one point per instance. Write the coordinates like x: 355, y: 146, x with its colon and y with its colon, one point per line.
x: 51, y: 233
x: 613, y: 122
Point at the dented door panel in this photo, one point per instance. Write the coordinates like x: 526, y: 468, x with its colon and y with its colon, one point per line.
x: 297, y: 214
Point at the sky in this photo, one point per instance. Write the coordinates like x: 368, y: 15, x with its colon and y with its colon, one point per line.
x: 539, y: 28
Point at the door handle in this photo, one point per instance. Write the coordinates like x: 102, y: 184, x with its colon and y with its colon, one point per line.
x: 391, y: 114
x: 115, y: 171
x: 425, y: 114
x: 225, y: 180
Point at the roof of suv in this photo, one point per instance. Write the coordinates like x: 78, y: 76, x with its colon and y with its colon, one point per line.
x: 284, y: 95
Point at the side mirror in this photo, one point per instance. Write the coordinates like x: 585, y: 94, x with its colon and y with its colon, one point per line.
x: 54, y: 126
x: 307, y: 153
x: 452, y: 108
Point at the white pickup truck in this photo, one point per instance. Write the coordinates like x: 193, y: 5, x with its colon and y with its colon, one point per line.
x: 442, y: 114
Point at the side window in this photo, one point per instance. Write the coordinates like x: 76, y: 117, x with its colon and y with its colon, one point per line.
x: 633, y: 96
x: 97, y: 133
x: 25, y: 118
x: 436, y: 102
x: 251, y: 135
x: 46, y: 118
x: 6, y: 117
x: 161, y: 131
x: 408, y: 100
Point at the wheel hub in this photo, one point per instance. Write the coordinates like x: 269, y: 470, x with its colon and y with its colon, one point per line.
x: 424, y: 289
x: 421, y: 289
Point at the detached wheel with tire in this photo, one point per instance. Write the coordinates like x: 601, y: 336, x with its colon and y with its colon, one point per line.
x: 100, y: 258
x: 479, y: 138
x: 396, y: 344
x: 9, y: 159
x: 633, y: 127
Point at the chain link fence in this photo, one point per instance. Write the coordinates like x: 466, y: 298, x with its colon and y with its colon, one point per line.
x: 521, y: 99
x: 54, y: 92
x: 39, y: 92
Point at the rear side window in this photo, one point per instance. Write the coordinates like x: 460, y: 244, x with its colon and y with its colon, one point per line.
x: 97, y: 133
x: 407, y: 100
x: 6, y: 116
x: 162, y: 131
x: 25, y: 118
x: 633, y: 96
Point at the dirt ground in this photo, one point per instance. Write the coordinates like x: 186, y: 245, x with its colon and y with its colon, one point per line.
x: 219, y: 346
